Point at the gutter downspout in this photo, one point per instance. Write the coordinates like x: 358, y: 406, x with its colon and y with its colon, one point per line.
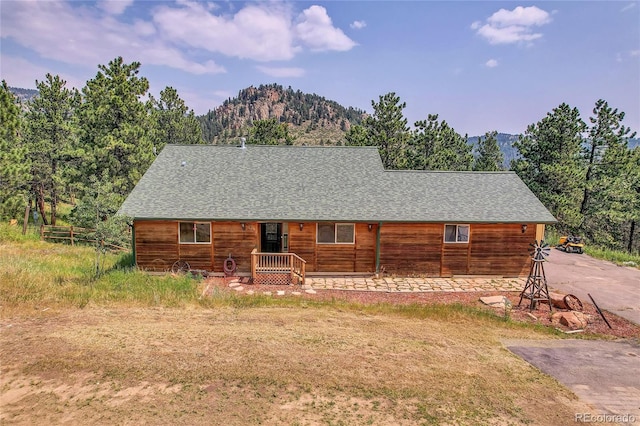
x: 378, y: 248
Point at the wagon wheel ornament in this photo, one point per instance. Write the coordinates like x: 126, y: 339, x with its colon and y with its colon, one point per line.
x: 539, y: 251
x: 180, y: 266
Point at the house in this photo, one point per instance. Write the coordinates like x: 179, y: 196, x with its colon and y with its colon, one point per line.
x: 336, y: 208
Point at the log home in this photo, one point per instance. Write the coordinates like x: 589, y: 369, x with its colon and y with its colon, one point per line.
x: 333, y: 208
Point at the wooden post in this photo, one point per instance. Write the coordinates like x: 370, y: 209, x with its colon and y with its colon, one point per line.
x: 42, y: 231
x: 253, y: 263
x: 26, y: 217
x: 71, y: 234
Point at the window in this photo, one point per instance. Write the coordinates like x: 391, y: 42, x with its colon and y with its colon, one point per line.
x: 195, y: 233
x: 335, y: 233
x: 456, y: 233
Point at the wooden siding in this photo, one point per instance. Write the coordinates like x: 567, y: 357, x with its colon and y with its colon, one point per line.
x: 156, y: 244
x: 357, y: 257
x: 405, y: 248
x: 303, y: 243
x: 501, y: 249
x: 230, y: 238
x: 408, y: 248
x: 365, y: 249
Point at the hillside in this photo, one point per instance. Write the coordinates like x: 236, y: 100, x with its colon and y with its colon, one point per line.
x: 313, y: 119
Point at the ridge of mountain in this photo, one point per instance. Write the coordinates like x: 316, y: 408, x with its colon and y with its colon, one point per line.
x: 312, y: 118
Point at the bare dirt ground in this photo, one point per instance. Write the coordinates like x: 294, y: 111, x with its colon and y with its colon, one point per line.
x: 299, y: 364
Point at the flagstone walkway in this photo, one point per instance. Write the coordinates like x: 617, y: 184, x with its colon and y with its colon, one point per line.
x: 403, y: 284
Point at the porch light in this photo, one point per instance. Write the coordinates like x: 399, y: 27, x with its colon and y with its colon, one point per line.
x: 370, y: 227
x: 243, y: 225
x: 524, y: 228
x: 301, y: 226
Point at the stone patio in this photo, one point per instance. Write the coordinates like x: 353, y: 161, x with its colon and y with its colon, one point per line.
x: 407, y: 284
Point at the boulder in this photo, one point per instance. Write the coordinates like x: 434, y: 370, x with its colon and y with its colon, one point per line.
x: 496, y: 301
x: 573, y: 319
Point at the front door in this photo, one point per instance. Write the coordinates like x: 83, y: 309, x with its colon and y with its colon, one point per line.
x: 270, y: 237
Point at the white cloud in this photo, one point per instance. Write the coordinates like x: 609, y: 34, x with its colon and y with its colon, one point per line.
x: 85, y: 37
x: 628, y: 7
x: 315, y: 29
x: 634, y: 53
x: 114, y: 7
x: 282, y: 71
x: 254, y: 32
x: 358, y: 25
x: 491, y: 63
x: 513, y: 26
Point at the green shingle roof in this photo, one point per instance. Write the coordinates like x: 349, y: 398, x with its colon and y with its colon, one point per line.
x: 346, y: 184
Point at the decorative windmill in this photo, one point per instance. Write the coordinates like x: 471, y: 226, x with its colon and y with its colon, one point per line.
x: 536, y: 289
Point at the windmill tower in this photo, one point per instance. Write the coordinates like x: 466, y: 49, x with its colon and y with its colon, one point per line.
x: 536, y: 289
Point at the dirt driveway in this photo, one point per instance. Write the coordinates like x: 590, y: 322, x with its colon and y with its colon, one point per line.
x: 614, y: 288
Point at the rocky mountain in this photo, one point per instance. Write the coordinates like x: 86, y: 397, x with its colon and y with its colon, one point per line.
x: 24, y: 95
x: 312, y: 119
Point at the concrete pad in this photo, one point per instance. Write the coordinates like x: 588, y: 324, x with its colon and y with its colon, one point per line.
x: 602, y: 373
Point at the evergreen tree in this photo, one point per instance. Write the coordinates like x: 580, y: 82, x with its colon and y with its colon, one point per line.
x: 610, y: 197
x: 490, y: 158
x: 172, y: 121
x: 114, y: 124
x: 270, y: 132
x: 436, y: 146
x: 14, y: 164
x: 551, y: 163
x: 51, y: 131
x: 386, y: 129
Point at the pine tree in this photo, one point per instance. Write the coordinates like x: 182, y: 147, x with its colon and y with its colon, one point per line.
x: 14, y: 164
x: 436, y: 146
x: 172, y: 121
x: 551, y: 164
x: 610, y: 197
x: 270, y: 132
x: 386, y: 129
x: 51, y: 131
x: 115, y: 123
x: 490, y: 158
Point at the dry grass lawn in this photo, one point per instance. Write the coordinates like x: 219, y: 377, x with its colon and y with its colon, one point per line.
x: 269, y: 365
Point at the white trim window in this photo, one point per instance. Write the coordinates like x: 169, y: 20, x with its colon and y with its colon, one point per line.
x: 335, y: 233
x: 195, y: 232
x: 456, y: 233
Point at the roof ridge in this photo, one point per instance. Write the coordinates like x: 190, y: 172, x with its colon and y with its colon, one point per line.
x: 473, y: 172
x: 359, y: 147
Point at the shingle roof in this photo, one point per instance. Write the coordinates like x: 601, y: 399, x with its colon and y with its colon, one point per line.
x: 347, y: 184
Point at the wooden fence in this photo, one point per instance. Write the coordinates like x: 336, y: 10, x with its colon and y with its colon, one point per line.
x: 73, y: 235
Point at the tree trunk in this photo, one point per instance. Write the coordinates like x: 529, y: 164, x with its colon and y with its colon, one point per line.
x: 54, y: 194
x: 26, y: 217
x: 592, y: 157
x: 633, y: 229
x: 40, y: 202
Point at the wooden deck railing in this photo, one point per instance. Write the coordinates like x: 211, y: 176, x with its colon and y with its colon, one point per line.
x: 277, y: 268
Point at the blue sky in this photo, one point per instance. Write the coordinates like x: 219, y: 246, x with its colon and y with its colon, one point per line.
x: 480, y: 65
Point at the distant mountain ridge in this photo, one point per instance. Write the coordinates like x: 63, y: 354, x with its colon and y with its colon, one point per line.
x: 24, y: 95
x: 313, y: 119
